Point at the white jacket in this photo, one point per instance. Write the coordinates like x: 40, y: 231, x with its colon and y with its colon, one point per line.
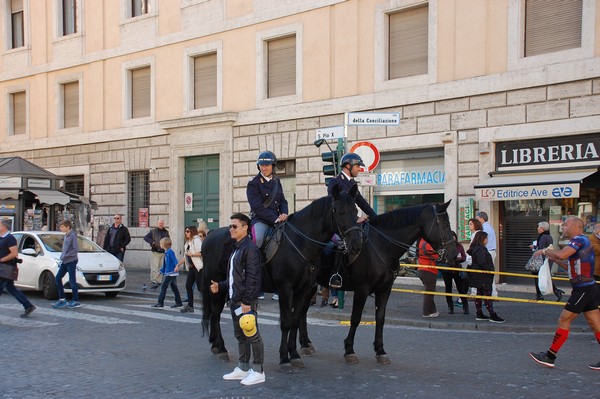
x: 195, y: 247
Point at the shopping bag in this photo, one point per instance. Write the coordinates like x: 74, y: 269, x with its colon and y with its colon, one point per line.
x: 545, y: 278
x: 534, y: 263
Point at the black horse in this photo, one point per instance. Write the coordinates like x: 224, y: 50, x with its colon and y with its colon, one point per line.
x: 292, y: 270
x: 387, y: 238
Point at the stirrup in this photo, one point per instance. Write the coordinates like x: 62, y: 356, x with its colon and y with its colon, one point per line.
x: 335, y: 281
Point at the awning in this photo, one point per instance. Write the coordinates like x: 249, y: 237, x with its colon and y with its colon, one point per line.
x: 50, y: 197
x: 4, y: 194
x: 538, y: 185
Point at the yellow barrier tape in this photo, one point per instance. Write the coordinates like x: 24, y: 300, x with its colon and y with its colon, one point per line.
x: 460, y: 269
x: 495, y: 298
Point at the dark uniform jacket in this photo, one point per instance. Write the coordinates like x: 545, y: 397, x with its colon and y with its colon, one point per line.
x: 153, y: 238
x: 258, y: 191
x: 346, y: 185
x: 247, y: 273
x: 121, y: 240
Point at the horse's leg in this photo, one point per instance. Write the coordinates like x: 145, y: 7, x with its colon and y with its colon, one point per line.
x: 301, y: 302
x: 381, y: 300
x: 216, y: 335
x: 285, y: 312
x: 306, y: 347
x: 358, y: 305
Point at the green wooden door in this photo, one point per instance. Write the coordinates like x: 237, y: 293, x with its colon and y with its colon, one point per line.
x: 202, y: 181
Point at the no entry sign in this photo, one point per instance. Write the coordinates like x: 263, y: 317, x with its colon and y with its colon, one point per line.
x: 369, y: 154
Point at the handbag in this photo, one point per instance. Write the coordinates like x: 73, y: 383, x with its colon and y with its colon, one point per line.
x: 534, y: 263
x: 9, y: 272
x: 545, y: 278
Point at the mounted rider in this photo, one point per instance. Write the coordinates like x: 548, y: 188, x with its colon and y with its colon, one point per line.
x: 350, y: 167
x: 268, y: 205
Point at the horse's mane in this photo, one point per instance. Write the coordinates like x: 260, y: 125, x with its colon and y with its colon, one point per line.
x: 398, y: 217
x: 319, y: 206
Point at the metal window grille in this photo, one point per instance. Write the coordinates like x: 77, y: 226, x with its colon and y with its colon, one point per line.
x: 139, y: 195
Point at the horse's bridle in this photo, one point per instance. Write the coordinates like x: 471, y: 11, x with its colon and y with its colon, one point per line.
x: 342, y: 244
x: 442, y: 252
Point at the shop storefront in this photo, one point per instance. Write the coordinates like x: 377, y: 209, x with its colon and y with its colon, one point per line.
x: 31, y: 199
x: 408, y: 178
x: 542, y: 180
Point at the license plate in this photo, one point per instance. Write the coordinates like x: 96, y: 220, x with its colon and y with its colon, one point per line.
x: 104, y: 277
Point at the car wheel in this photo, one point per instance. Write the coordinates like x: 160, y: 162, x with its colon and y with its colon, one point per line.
x: 111, y: 294
x: 49, y: 289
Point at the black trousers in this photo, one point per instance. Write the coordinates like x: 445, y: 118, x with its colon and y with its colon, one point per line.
x: 193, y: 276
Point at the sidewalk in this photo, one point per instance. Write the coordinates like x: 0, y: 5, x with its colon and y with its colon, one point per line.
x: 405, y: 308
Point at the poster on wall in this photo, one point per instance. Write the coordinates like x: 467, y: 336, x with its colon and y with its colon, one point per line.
x: 189, y: 202
x: 466, y: 210
x: 143, y: 217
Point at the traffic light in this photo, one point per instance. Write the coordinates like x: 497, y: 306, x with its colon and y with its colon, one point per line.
x: 330, y: 156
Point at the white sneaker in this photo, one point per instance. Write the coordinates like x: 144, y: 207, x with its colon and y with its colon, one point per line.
x: 436, y: 314
x: 237, y: 374
x: 254, y: 378
x: 275, y: 297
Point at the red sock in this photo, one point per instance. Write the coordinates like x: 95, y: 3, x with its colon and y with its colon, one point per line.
x: 597, y: 335
x: 560, y: 337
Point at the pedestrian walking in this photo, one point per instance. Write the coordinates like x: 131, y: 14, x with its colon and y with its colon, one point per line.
x: 117, y: 238
x: 428, y: 275
x: 193, y: 258
x: 169, y: 271
x: 8, y: 255
x: 68, y: 264
x: 158, y: 254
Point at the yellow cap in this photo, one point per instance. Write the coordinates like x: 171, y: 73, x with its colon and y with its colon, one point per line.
x: 248, y: 324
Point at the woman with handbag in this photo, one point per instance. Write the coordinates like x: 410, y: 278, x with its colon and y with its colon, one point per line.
x: 193, y: 259
x: 544, y: 241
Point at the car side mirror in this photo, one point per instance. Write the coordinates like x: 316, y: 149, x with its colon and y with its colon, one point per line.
x: 30, y: 252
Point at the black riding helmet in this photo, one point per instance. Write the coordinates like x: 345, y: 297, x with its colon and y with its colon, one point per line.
x: 266, y: 158
x: 351, y: 159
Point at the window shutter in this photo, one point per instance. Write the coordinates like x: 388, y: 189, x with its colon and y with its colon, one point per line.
x: 552, y: 25
x: 281, y: 74
x: 71, y: 104
x: 140, y: 92
x: 205, y: 81
x: 19, y: 113
x: 408, y: 42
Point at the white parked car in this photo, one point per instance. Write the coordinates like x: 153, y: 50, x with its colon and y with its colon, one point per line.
x: 97, y: 270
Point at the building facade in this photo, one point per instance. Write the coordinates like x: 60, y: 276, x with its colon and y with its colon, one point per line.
x: 158, y: 109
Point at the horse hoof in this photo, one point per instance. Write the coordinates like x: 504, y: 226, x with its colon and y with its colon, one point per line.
x: 214, y: 350
x: 306, y: 351
x: 351, y: 359
x: 223, y: 357
x: 312, y: 348
x: 297, y: 363
x: 383, y: 359
x: 285, y: 368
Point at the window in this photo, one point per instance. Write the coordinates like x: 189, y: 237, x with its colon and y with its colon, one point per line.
x: 69, y: 17
x: 139, y: 194
x: 205, y: 81
x: 408, y: 43
x: 140, y: 92
x: 552, y: 25
x: 18, y: 113
x: 75, y: 184
x: 16, y: 24
x: 70, y: 103
x: 139, y: 7
x: 281, y: 67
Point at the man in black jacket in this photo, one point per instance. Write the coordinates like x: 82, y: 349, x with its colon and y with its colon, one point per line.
x: 158, y: 254
x: 117, y: 238
x: 243, y: 286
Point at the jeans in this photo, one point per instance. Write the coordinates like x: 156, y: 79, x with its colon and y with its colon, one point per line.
x: 166, y: 282
x: 65, y: 268
x: 9, y: 285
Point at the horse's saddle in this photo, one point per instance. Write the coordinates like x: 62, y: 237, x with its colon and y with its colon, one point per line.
x: 273, y: 238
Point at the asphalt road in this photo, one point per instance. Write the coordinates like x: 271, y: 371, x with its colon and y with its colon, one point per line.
x: 122, y: 348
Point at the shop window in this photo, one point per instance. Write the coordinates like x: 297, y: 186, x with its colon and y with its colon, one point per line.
x: 281, y: 67
x: 139, y: 195
x: 408, y: 42
x: 17, y: 32
x: 552, y: 25
x: 205, y: 80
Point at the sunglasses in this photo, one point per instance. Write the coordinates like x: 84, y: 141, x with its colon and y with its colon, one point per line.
x: 117, y: 218
x: 234, y: 226
x: 187, y: 231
